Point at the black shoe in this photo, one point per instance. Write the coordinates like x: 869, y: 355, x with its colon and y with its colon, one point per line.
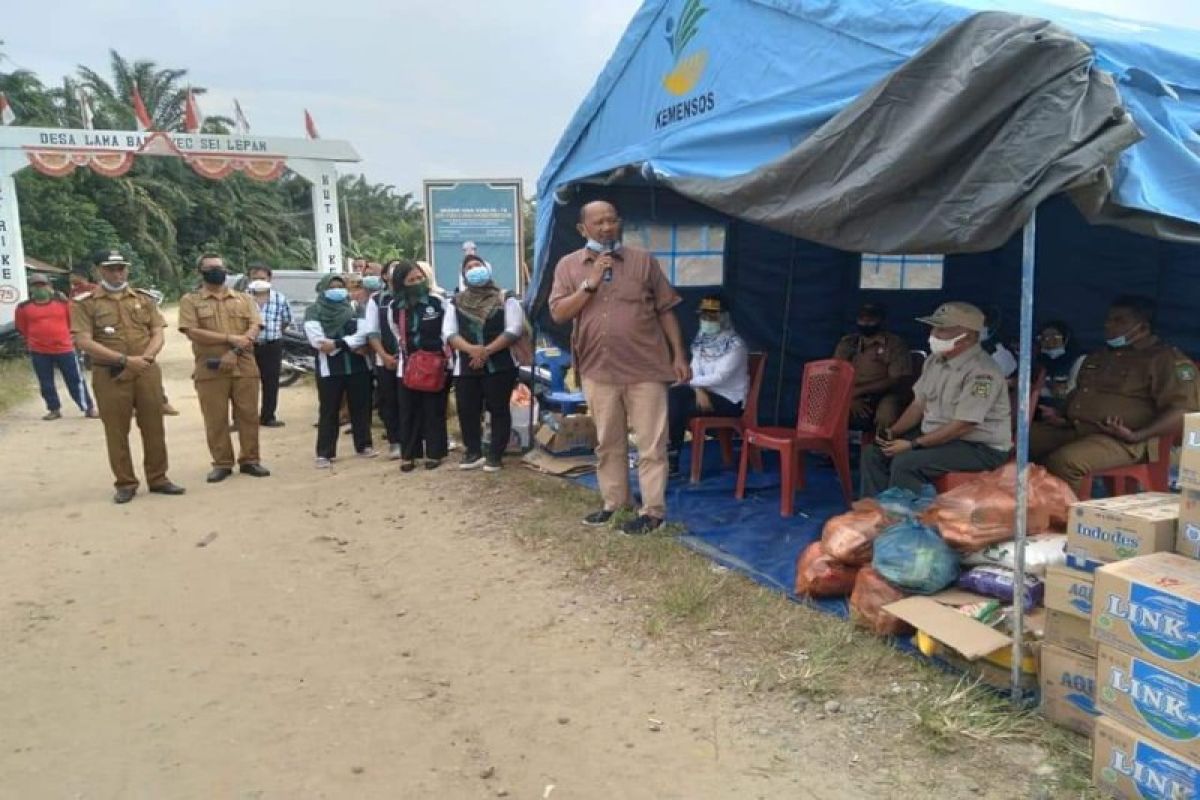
x: 641, y: 526
x: 493, y: 464
x: 432, y: 463
x: 124, y: 495
x: 273, y: 423
x: 408, y: 466
x: 218, y: 474
x: 167, y: 488
x: 472, y: 461
x: 254, y: 470
x: 598, y: 518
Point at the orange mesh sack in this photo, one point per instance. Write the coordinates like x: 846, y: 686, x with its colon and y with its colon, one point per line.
x: 850, y: 537
x: 871, y: 593
x: 821, y: 575
x: 1052, y: 495
x: 983, y: 512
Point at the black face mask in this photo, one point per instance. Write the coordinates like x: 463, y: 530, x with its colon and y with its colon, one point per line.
x: 869, y: 330
x: 215, y: 277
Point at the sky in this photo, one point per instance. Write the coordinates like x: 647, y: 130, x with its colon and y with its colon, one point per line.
x: 422, y: 89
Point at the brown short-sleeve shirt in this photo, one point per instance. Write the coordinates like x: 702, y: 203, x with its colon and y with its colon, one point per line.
x: 1137, y: 384
x: 222, y: 311
x: 122, y: 321
x: 884, y: 355
x: 618, y: 337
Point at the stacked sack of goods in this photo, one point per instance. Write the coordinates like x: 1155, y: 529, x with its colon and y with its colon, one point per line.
x: 919, y: 563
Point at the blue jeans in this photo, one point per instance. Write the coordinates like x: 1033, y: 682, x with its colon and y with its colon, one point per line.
x: 72, y: 374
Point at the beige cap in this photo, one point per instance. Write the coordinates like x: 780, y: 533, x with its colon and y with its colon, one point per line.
x: 955, y: 315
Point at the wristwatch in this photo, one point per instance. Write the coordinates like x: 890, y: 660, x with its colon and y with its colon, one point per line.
x: 587, y: 286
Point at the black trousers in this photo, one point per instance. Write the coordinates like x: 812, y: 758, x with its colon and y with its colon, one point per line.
x: 356, y: 389
x: 681, y: 407
x: 422, y: 423
x: 269, y: 356
x: 493, y: 392
x: 387, y: 402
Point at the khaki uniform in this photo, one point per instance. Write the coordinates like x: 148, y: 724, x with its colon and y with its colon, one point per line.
x: 1136, y: 384
x: 125, y: 321
x: 234, y: 314
x: 969, y: 388
x: 884, y: 355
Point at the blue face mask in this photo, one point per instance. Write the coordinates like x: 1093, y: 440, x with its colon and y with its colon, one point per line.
x: 985, y: 334
x: 1055, y: 352
x: 1118, y: 342
x: 337, y: 295
x: 373, y: 282
x: 601, y: 247
x: 478, y: 276
x: 709, y: 328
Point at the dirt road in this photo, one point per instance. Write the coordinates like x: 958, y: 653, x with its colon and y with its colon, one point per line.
x: 354, y: 633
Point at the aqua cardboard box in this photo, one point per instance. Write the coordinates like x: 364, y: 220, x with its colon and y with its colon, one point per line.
x: 1068, y: 681
x: 1150, y: 700
x: 1115, y: 528
x: 1187, y: 540
x: 1149, y: 607
x: 1069, y: 591
x: 1069, y: 631
x: 1132, y: 767
x: 1189, y: 453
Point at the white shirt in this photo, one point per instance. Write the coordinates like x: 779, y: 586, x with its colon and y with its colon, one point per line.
x: 727, y: 375
x: 514, y: 326
x: 316, y: 335
x: 1005, y: 360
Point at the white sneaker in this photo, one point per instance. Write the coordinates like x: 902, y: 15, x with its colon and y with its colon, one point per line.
x: 368, y: 452
x: 471, y: 461
x: 323, y: 463
x: 394, y: 452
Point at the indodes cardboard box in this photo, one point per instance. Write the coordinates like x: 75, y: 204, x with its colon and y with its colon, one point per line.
x: 1069, y: 591
x: 1187, y: 540
x: 1068, y: 689
x: 1115, y: 528
x: 1069, y: 631
x: 1189, y: 454
x: 1150, y: 607
x: 570, y: 434
x: 1133, y: 767
x: 1150, y: 700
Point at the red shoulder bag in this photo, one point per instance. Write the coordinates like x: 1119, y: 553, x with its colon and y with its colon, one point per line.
x: 424, y: 370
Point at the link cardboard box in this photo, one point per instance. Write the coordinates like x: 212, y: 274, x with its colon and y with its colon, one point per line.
x: 1069, y: 591
x: 1070, y: 632
x: 1187, y: 541
x: 1149, y: 607
x: 1115, y: 528
x: 1189, y: 454
x: 1132, y: 767
x: 1150, y: 700
x: 1068, y: 689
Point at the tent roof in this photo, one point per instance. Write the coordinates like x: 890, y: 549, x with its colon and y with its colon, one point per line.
x: 756, y: 77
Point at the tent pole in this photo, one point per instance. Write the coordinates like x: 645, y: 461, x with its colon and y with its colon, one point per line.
x: 1024, y: 382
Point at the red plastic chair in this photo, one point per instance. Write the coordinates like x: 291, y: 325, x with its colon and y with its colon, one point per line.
x: 822, y: 425
x: 727, y: 426
x: 1151, y: 476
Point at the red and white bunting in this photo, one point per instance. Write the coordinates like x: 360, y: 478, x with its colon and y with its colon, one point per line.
x: 7, y: 117
x: 309, y: 126
x: 144, y: 122
x: 193, y: 120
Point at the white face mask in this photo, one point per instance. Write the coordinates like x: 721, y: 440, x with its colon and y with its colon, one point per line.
x: 942, y: 346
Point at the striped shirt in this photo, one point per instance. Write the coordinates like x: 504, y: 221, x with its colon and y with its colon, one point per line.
x: 276, y: 315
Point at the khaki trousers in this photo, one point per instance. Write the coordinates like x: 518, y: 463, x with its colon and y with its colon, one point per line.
x: 1071, y: 454
x: 216, y: 395
x: 118, y: 401
x: 616, y: 409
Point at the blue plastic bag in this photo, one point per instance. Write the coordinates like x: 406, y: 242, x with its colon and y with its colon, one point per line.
x: 913, y: 557
x: 906, y: 503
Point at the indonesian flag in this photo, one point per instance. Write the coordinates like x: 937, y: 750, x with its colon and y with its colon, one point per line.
x: 193, y: 120
x: 310, y: 126
x: 86, y: 113
x: 239, y: 118
x: 7, y: 117
x: 144, y: 122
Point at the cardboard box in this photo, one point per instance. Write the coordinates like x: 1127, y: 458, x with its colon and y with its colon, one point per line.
x: 1069, y: 591
x: 1187, y: 540
x: 569, y: 434
x: 1068, y: 681
x: 1150, y: 607
x: 1150, y: 700
x: 1070, y: 632
x: 1115, y: 528
x: 1133, y: 767
x: 1189, y: 454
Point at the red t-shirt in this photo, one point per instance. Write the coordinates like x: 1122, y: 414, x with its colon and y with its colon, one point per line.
x: 46, y: 326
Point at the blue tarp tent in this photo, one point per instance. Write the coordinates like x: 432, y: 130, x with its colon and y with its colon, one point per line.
x: 750, y: 80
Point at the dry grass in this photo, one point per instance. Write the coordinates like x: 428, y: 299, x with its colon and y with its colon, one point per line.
x: 16, y: 382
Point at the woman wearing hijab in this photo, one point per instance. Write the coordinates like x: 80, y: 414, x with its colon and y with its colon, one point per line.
x: 416, y: 320
x: 334, y: 329
x: 482, y: 325
x: 382, y: 336
x: 1058, y: 355
x: 720, y: 364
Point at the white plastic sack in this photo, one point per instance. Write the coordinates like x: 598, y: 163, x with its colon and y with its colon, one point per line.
x: 1042, y: 550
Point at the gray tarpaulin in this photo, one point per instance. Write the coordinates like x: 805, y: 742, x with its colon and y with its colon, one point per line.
x: 951, y: 152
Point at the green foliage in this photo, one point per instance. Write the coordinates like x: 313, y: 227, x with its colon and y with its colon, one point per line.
x: 161, y: 212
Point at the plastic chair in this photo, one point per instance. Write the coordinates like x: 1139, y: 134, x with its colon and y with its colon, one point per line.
x: 558, y: 398
x: 822, y: 425
x: 725, y: 427
x: 1151, y: 476
x: 917, y: 358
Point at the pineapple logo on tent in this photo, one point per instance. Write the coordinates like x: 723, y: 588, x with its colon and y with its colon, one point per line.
x: 686, y: 71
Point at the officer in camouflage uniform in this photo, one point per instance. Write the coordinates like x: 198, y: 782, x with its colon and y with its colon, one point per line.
x: 1127, y: 395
